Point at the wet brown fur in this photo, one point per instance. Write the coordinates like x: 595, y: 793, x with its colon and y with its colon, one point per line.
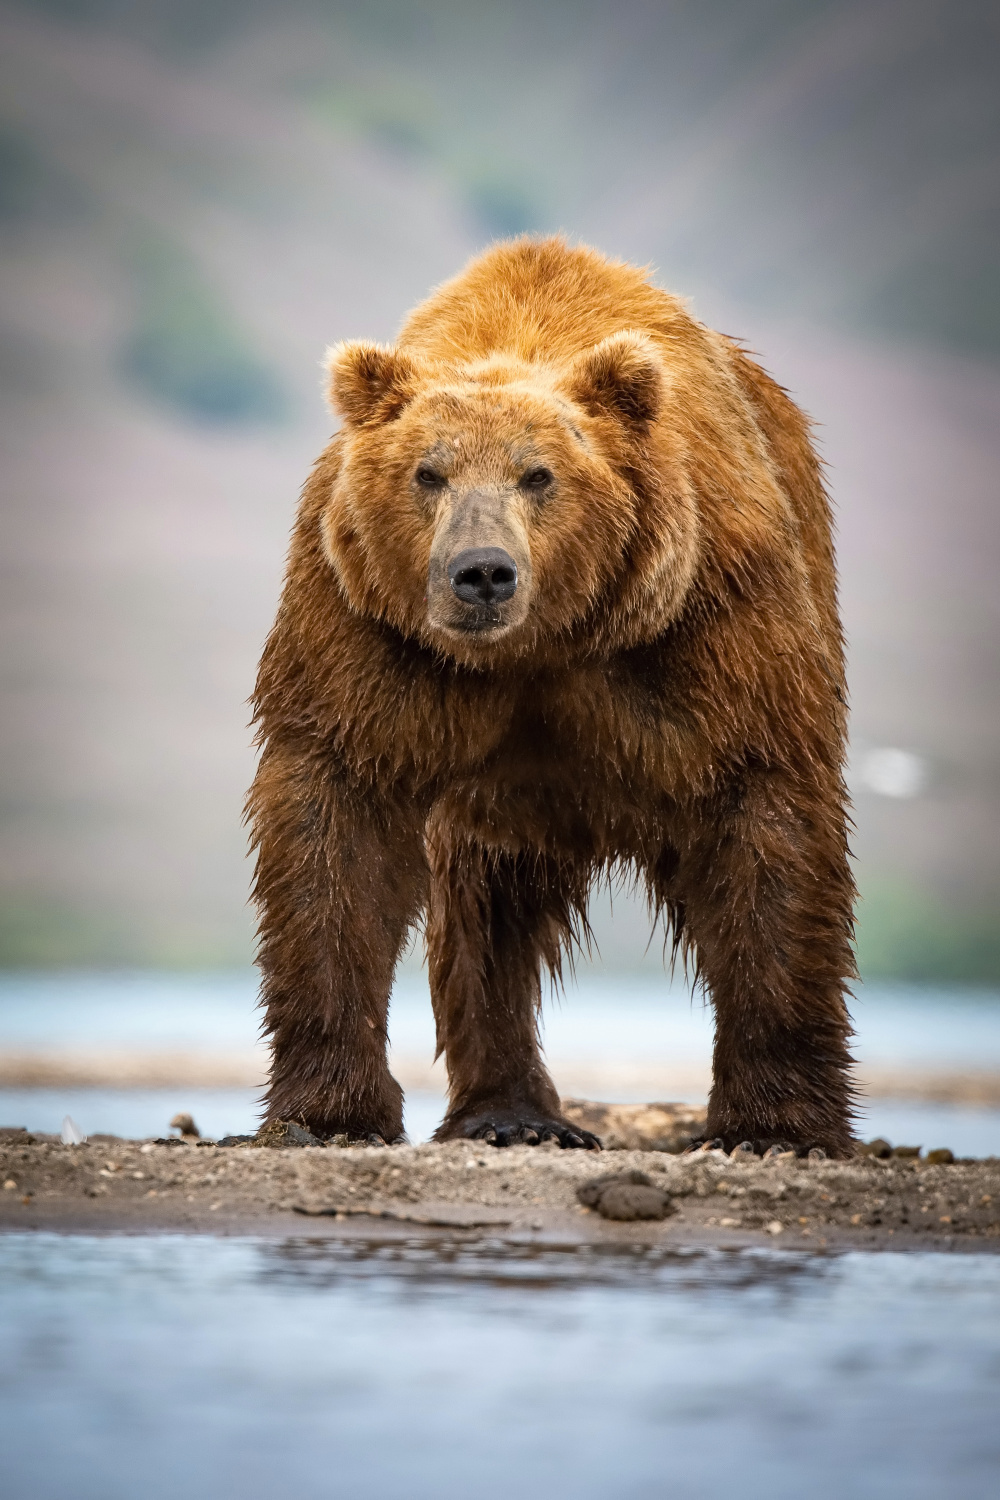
x: 671, y: 703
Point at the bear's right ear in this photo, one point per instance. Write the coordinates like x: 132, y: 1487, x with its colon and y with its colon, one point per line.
x: 369, y: 383
x: 622, y: 376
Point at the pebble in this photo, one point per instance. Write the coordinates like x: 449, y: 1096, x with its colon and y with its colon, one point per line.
x: 878, y: 1148
x: 882, y: 1150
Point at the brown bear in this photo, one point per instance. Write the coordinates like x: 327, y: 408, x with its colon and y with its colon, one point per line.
x: 560, y: 601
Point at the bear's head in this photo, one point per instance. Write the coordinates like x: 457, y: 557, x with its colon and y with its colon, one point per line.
x: 490, y: 507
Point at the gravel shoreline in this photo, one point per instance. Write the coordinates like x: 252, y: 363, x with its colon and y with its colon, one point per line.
x: 112, y: 1185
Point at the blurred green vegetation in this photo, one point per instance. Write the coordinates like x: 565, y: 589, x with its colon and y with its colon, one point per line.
x: 22, y: 176
x: 31, y: 186
x: 905, y: 933
x: 847, y: 164
x: 187, y: 349
x: 902, y: 934
x: 480, y: 155
x: 44, y: 934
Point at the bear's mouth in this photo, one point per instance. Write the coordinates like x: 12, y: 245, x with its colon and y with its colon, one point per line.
x: 480, y: 621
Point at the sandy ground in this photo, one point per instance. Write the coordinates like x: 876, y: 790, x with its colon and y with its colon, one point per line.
x: 112, y: 1185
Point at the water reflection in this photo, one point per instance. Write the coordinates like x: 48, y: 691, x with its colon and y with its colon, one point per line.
x: 473, y: 1262
x: 432, y: 1367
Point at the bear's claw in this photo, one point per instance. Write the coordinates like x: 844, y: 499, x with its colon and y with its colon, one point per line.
x: 506, y: 1128
x: 768, y: 1148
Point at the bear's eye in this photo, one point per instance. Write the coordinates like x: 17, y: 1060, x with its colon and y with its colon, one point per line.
x: 536, y: 479
x: 429, y: 478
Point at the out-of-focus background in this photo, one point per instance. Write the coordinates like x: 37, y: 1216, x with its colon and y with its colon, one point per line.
x: 196, y: 196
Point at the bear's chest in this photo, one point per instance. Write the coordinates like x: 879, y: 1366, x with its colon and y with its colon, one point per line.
x: 591, y: 745
x: 574, y: 768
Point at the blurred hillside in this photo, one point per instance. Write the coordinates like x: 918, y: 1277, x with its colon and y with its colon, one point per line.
x: 196, y: 198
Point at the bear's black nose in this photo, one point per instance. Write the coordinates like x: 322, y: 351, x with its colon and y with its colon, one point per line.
x: 483, y: 575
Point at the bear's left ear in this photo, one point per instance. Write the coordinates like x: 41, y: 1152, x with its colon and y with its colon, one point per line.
x: 622, y: 376
x: 369, y: 383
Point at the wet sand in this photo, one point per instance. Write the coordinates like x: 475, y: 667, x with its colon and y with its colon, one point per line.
x: 111, y: 1186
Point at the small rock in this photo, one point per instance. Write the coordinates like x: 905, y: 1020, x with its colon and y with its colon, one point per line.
x: 626, y: 1197
x: 624, y: 1202
x: 906, y: 1153
x: 591, y: 1191
x: 878, y: 1148
x: 775, y: 1227
x: 942, y: 1157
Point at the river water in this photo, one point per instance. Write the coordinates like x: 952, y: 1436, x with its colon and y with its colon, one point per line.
x: 427, y: 1369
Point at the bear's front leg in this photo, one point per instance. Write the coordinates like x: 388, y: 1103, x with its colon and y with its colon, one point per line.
x: 340, y: 877
x: 767, y: 895
x: 493, y: 918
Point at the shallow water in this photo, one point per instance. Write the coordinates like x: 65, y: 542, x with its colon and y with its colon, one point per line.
x: 218, y: 1112
x: 614, y: 1016
x: 244, y: 1368
x: 609, y: 1018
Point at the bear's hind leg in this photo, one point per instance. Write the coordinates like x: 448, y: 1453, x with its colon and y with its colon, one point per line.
x: 493, y: 919
x: 767, y: 896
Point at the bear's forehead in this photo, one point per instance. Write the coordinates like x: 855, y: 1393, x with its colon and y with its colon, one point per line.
x: 451, y: 453
x: 501, y: 421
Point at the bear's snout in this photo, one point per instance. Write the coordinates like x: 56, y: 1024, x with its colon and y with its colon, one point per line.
x: 483, y: 575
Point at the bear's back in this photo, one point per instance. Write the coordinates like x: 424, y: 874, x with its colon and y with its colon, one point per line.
x: 539, y: 300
